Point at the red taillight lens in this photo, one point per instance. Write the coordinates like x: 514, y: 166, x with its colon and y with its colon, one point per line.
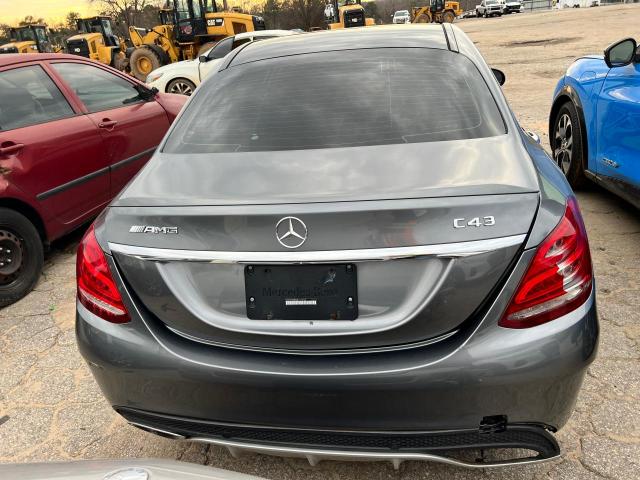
x: 96, y: 289
x: 559, y: 277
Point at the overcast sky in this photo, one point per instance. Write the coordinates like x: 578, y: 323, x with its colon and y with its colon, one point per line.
x: 53, y: 11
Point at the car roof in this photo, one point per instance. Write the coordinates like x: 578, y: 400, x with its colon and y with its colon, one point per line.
x: 381, y: 36
x: 265, y: 33
x: 14, y: 58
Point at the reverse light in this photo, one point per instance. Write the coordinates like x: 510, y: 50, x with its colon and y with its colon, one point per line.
x: 559, y: 277
x: 97, y: 290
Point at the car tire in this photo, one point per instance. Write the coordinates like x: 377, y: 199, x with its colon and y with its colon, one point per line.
x: 567, y: 144
x: 21, y: 257
x: 181, y: 86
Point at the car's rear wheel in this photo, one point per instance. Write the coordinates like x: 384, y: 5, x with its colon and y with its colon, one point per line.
x: 181, y: 86
x: 567, y: 144
x: 21, y: 256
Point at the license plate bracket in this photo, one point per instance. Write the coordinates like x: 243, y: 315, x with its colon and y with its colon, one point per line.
x: 301, y: 292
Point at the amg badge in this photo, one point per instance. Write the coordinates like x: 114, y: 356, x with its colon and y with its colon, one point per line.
x: 152, y: 229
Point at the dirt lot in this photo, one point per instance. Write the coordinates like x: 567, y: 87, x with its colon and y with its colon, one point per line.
x: 51, y: 409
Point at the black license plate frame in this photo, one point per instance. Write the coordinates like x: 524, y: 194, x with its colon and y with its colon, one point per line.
x: 314, y: 292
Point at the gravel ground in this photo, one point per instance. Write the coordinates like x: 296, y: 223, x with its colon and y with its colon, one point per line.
x: 51, y: 409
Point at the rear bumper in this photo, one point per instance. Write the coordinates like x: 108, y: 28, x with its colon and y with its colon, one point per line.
x: 530, y: 376
x: 315, y: 445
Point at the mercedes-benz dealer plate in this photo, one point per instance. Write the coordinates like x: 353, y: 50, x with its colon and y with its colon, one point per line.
x: 301, y: 292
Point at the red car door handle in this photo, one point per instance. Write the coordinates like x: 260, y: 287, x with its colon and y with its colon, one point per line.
x: 108, y: 124
x: 8, y: 148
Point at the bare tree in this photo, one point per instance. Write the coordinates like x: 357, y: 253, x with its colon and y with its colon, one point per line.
x: 71, y: 20
x: 30, y: 20
x: 272, y: 11
x: 305, y: 13
x: 4, y: 33
x: 386, y: 8
x: 126, y: 10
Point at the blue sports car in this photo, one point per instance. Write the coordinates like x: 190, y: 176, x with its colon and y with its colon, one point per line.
x: 594, y: 125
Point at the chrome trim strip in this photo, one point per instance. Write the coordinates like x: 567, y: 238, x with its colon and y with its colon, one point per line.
x: 177, y: 436
x: 446, y: 250
x: 313, y: 455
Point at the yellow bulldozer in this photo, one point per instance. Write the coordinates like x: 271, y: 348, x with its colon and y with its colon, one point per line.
x: 346, y: 14
x: 438, y: 11
x: 29, y: 39
x: 97, y: 41
x: 187, y: 29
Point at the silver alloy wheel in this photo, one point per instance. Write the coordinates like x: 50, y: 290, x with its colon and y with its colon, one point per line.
x: 181, y: 87
x: 564, y: 143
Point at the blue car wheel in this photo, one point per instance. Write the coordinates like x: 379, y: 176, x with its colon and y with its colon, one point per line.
x: 567, y: 144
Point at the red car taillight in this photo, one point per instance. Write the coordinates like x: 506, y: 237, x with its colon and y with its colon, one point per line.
x: 559, y: 277
x: 96, y: 289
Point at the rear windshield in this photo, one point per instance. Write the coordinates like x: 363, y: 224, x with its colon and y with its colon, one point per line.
x: 339, y: 99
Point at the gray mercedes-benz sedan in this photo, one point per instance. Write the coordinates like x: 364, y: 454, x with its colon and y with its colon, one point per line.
x: 345, y: 247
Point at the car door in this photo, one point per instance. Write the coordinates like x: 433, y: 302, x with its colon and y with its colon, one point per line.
x: 48, y: 149
x: 130, y: 126
x: 618, y: 128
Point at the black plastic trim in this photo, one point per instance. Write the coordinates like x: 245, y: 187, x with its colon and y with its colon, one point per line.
x: 92, y: 175
x: 126, y: 161
x: 625, y: 190
x: 72, y: 183
x: 528, y: 436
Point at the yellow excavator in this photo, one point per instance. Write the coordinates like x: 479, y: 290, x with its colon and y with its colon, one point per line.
x: 346, y: 14
x: 186, y: 29
x: 438, y: 11
x: 29, y: 39
x: 97, y: 41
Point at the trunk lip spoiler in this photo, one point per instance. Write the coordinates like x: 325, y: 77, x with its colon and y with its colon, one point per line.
x: 441, y: 250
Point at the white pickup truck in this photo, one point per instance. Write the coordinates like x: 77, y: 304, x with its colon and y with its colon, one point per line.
x: 489, y: 8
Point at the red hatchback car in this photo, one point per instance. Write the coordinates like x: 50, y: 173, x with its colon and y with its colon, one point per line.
x: 73, y: 132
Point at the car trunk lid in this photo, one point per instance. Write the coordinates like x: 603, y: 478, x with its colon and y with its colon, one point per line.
x: 429, y: 239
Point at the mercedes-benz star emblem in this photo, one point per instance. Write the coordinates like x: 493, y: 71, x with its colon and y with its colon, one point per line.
x: 291, y: 232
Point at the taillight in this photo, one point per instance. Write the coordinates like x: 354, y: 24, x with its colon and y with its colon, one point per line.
x: 96, y: 289
x: 559, y: 277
